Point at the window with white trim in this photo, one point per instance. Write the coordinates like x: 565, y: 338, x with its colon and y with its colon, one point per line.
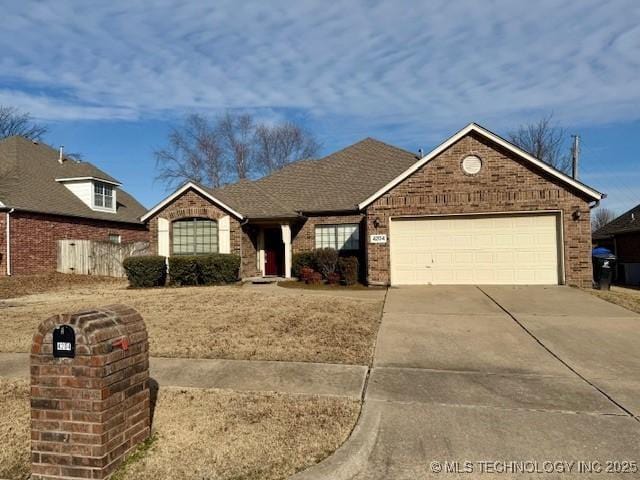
x: 115, y: 238
x: 195, y: 236
x: 339, y: 237
x: 102, y: 195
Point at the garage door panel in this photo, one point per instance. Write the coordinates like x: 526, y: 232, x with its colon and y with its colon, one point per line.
x: 518, y: 249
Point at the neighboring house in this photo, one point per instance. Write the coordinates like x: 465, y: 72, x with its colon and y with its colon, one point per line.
x: 475, y: 210
x: 622, y: 236
x: 45, y: 197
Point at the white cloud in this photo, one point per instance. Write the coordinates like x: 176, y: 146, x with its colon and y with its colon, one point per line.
x: 413, y: 66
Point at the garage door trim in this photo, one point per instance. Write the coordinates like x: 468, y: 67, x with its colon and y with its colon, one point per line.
x: 559, y: 231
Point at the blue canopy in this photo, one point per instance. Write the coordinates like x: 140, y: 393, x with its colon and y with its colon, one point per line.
x: 602, y: 252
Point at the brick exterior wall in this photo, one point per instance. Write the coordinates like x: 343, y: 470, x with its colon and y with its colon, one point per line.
x: 193, y: 204
x: 304, y: 235
x: 34, y: 238
x: 504, y: 184
x: 3, y: 245
x: 249, y: 248
x: 628, y: 247
x: 90, y: 411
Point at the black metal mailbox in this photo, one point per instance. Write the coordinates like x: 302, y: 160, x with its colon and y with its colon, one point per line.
x: 64, y: 342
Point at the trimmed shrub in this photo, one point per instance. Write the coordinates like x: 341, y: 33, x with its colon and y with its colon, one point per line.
x: 305, y: 273
x: 146, y: 271
x: 333, y: 278
x: 315, y: 278
x: 204, y: 269
x: 348, y: 268
x: 219, y: 268
x: 302, y: 260
x: 183, y: 270
x: 326, y: 261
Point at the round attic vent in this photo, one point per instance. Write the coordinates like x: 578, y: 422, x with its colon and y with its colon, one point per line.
x: 471, y: 164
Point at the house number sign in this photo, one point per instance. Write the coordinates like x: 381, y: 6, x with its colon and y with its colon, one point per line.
x: 378, y: 238
x: 64, y: 342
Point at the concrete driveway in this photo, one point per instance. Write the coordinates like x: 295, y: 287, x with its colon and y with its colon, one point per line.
x: 508, y: 379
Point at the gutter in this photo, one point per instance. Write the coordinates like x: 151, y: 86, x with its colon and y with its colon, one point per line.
x: 596, y: 203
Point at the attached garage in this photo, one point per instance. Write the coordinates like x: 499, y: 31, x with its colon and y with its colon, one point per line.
x: 476, y: 249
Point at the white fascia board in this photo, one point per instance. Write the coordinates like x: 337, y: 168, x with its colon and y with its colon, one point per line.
x: 84, y: 179
x: 183, y: 189
x: 474, y: 127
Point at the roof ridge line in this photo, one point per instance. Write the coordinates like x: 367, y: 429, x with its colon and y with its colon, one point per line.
x: 395, y: 147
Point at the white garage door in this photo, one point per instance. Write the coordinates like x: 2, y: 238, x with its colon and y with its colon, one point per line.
x: 501, y: 249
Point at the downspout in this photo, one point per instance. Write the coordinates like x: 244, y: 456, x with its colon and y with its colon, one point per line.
x: 8, y: 240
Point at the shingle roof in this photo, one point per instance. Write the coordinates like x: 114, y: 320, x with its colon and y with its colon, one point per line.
x: 626, y: 223
x: 28, y: 173
x: 337, y: 182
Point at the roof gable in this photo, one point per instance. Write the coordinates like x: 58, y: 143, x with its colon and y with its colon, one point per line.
x: 473, y: 127
x: 29, y: 174
x: 183, y: 189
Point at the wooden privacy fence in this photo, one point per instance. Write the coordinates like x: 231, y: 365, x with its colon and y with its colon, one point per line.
x: 90, y: 257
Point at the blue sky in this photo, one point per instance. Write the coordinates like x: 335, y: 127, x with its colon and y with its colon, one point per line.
x: 110, y: 78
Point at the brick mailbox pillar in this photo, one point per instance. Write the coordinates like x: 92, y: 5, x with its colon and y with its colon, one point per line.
x: 89, y: 392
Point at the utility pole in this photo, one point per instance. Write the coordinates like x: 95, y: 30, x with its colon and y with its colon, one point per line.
x: 575, y: 156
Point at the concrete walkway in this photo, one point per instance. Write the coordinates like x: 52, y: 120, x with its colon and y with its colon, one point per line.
x: 241, y: 375
x: 499, y: 377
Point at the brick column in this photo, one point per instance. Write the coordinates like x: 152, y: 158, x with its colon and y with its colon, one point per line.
x: 90, y: 411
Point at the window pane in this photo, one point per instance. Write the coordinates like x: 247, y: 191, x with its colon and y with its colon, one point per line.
x: 340, y: 237
x: 102, y: 195
x: 195, y: 236
x: 108, y: 196
x: 348, y: 237
x: 325, y: 236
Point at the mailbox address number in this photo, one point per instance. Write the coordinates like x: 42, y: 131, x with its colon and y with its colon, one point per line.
x: 64, y: 342
x: 66, y: 346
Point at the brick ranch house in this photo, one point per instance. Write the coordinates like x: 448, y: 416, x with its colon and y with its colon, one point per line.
x: 622, y: 236
x: 46, y: 197
x: 475, y: 210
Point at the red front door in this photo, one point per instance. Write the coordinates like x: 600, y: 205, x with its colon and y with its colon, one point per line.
x: 271, y: 262
x: 273, y: 252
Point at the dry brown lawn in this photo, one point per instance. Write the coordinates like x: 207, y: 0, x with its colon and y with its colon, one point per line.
x: 208, y: 434
x: 14, y: 429
x: 625, y: 297
x: 11, y: 287
x: 230, y: 322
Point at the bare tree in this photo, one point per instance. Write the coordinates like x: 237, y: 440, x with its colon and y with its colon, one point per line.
x: 545, y: 141
x: 230, y: 147
x: 237, y: 133
x: 600, y: 217
x: 194, y: 153
x: 14, y: 122
x: 280, y: 145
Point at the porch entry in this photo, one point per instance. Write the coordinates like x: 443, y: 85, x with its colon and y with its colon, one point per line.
x: 273, y: 252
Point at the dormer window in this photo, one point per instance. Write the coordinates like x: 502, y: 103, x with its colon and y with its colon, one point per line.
x: 103, y: 195
x: 99, y: 194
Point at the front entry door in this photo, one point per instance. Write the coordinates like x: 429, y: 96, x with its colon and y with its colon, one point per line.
x: 273, y: 252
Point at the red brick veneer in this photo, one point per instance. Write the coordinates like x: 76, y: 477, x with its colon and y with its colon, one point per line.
x: 3, y: 245
x: 34, y: 238
x: 89, y: 412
